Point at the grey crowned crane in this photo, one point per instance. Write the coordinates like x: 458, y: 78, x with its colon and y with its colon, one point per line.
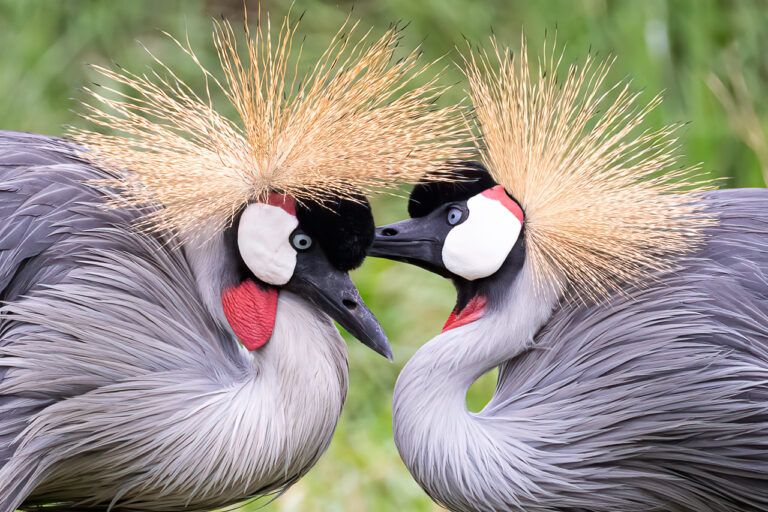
x: 627, y: 314
x: 166, y: 333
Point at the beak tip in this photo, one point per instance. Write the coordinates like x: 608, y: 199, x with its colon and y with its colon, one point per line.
x: 382, y: 346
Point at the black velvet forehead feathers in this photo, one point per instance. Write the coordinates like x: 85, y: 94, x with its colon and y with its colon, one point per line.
x: 473, y: 178
x: 343, y: 228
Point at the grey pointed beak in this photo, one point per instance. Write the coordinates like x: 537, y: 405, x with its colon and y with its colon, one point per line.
x: 334, y: 293
x: 418, y: 241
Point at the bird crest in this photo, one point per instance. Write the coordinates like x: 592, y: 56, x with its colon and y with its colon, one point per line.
x: 355, y: 123
x: 606, y: 202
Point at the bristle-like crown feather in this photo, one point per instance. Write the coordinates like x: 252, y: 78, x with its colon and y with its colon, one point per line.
x: 606, y: 203
x: 355, y: 124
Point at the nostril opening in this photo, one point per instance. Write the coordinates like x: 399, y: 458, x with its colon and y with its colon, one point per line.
x: 349, y: 304
x: 389, y: 232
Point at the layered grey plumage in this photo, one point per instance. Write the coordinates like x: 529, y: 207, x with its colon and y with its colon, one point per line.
x: 120, y: 385
x: 654, y: 401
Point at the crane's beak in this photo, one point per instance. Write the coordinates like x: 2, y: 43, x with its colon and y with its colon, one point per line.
x: 334, y: 293
x: 418, y: 241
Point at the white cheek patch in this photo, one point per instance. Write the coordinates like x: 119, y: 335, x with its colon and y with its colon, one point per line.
x: 478, y: 246
x: 263, y: 241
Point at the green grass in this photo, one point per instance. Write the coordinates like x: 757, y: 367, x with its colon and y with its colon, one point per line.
x: 676, y: 47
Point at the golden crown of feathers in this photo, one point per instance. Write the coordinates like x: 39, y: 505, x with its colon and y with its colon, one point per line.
x: 604, y: 204
x: 354, y: 124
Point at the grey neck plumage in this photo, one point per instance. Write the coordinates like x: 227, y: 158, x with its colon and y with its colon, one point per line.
x: 440, y: 441
x: 200, y: 422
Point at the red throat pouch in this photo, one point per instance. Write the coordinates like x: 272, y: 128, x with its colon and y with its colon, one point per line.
x: 474, y: 310
x: 250, y: 311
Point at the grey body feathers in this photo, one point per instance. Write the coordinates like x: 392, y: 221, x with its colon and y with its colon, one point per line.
x: 119, y: 388
x: 656, y: 401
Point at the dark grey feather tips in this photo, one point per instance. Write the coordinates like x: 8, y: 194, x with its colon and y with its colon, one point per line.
x: 660, y: 397
x: 42, y: 201
x: 71, y: 268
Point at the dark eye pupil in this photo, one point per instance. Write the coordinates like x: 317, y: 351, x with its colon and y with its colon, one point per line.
x: 302, y: 241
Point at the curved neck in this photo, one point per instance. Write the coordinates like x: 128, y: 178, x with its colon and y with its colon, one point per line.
x: 286, y: 409
x: 305, y: 356
x: 302, y: 368
x: 455, y: 359
x: 432, y: 425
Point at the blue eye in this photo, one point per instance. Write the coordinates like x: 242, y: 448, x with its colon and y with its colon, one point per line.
x: 301, y: 242
x: 455, y: 215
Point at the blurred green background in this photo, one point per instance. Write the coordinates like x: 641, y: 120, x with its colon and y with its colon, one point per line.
x: 710, y: 57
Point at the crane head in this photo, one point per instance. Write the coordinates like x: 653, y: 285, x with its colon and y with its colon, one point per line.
x: 306, y: 248
x: 468, y: 230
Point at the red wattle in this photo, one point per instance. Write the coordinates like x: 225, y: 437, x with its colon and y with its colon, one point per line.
x: 471, y: 312
x: 251, y: 311
x: 499, y: 194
